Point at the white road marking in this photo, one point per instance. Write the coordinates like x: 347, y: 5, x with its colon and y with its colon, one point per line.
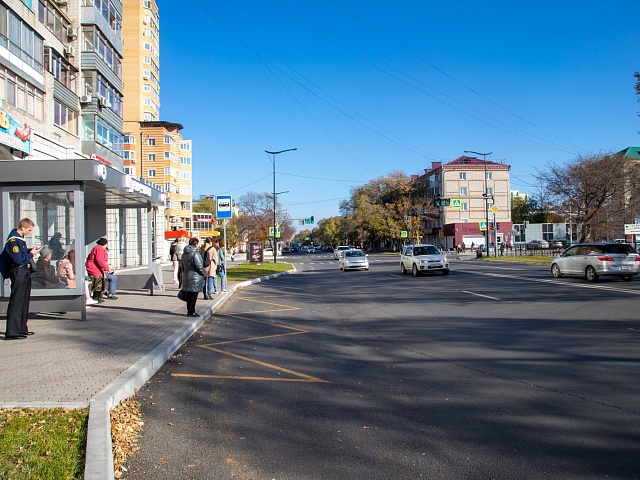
x: 480, y: 295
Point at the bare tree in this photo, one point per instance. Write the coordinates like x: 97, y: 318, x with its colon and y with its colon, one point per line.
x: 600, y: 189
x: 258, y: 218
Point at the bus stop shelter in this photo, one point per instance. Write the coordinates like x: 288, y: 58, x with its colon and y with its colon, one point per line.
x: 71, y: 197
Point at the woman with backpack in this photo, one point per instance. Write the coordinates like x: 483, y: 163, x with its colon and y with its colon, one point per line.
x: 209, y: 259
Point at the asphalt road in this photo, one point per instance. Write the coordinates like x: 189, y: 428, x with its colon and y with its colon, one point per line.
x: 496, y: 371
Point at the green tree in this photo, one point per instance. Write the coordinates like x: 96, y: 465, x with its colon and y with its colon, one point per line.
x: 377, y: 212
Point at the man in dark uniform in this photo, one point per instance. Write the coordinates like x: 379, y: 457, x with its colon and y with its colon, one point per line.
x: 22, y: 263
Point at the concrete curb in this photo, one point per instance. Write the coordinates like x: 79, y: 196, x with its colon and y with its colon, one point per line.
x: 99, y: 454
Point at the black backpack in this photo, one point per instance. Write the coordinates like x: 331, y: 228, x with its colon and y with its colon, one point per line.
x: 5, y: 264
x: 207, y: 258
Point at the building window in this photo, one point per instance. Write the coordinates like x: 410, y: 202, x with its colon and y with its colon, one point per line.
x: 130, y: 139
x: 489, y: 191
x: 152, y: 173
x: 130, y: 155
x: 65, y: 118
x: 463, y: 190
x: 151, y: 141
x: 465, y: 206
x: 23, y: 42
x: 130, y: 170
x: 21, y: 94
x: 185, y: 160
x: 60, y: 69
x: 185, y: 175
x: 151, y: 157
x: 489, y: 176
x: 463, y: 175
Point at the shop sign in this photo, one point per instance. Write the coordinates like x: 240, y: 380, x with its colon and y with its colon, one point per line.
x: 133, y: 185
x: 14, y: 135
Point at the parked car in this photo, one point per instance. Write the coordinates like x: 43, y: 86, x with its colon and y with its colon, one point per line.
x: 423, y: 258
x: 286, y: 249
x: 592, y: 260
x: 338, y: 249
x: 353, y: 259
x: 267, y: 252
x: 311, y: 249
x: 537, y: 245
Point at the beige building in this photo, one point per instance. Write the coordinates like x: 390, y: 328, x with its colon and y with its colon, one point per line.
x: 471, y: 191
x: 154, y: 150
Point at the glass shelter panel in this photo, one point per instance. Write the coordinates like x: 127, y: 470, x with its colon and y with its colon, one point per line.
x: 57, y: 228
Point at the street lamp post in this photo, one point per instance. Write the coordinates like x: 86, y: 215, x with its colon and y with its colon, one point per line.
x: 486, y: 197
x: 275, y: 196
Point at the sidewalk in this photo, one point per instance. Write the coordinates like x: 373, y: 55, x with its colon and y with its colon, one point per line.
x: 72, y: 363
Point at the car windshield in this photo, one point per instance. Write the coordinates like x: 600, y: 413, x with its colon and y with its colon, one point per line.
x: 428, y: 250
x: 354, y: 253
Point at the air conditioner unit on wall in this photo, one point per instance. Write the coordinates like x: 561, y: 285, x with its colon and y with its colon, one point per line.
x: 72, y: 33
x: 69, y: 51
x: 103, y: 102
x: 145, y: 76
x: 85, y: 99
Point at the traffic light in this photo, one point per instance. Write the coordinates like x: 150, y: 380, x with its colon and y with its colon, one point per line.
x: 312, y: 219
x: 437, y: 201
x: 497, y: 226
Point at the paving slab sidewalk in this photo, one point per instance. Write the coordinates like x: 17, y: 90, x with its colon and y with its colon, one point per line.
x: 98, y: 362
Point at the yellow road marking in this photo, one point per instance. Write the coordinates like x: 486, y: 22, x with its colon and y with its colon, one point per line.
x: 301, y: 377
x: 298, y: 377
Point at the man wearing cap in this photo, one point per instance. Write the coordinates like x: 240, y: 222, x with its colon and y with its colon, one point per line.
x: 96, y: 266
x: 21, y: 260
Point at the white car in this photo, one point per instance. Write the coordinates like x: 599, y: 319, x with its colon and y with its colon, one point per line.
x: 419, y: 259
x: 353, y: 259
x: 338, y: 249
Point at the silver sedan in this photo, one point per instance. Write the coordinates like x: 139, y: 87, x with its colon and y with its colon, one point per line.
x: 353, y: 259
x: 592, y: 260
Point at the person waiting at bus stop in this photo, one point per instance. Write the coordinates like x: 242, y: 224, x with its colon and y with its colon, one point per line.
x: 97, y: 266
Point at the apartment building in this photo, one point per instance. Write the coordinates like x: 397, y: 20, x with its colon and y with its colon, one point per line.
x: 473, y: 193
x: 154, y: 150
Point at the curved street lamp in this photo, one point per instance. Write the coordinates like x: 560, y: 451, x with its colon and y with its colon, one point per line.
x: 486, y: 198
x: 275, y: 196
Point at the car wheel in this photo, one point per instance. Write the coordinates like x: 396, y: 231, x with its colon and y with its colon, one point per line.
x: 445, y: 271
x: 414, y: 270
x: 590, y: 274
x: 402, y: 269
x: 555, y: 271
x: 627, y: 278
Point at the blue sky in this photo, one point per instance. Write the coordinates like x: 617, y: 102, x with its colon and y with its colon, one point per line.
x: 364, y: 88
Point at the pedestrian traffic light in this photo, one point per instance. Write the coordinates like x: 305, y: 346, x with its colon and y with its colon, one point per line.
x: 437, y: 201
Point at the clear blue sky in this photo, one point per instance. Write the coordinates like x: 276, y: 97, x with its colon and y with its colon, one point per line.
x: 364, y: 88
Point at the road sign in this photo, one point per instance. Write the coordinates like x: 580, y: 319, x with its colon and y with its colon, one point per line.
x: 494, y: 208
x: 271, y: 229
x: 631, y: 229
x: 483, y: 225
x: 223, y: 206
x: 457, y: 203
x: 404, y: 234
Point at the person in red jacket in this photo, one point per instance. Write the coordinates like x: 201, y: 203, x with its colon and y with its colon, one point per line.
x: 97, y: 266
